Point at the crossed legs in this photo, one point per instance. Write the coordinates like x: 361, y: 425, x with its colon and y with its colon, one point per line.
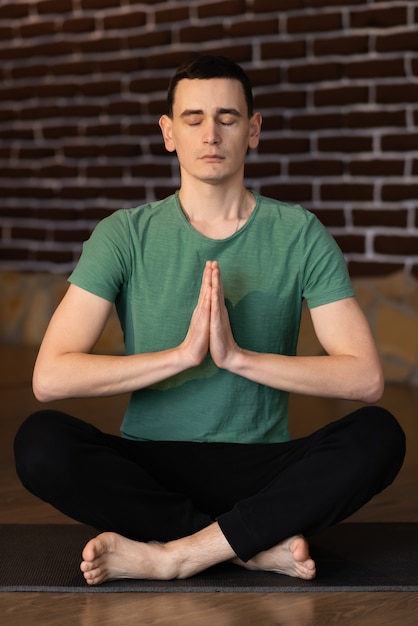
x: 252, y: 505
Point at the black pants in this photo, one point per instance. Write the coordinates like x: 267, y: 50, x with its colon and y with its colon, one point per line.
x: 260, y: 494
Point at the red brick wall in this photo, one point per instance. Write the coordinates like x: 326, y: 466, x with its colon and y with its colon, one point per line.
x: 83, y: 83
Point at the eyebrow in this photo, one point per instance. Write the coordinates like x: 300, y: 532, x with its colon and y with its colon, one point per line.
x: 189, y: 112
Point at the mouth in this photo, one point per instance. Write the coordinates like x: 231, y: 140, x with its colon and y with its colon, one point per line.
x: 212, y: 158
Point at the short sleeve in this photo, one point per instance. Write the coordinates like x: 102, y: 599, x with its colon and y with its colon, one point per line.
x: 104, y: 261
x: 324, y: 270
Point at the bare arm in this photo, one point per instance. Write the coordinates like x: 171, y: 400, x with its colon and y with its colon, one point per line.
x: 66, y: 368
x: 351, y: 369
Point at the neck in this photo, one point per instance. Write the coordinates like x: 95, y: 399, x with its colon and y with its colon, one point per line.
x: 217, y: 215
x: 217, y: 204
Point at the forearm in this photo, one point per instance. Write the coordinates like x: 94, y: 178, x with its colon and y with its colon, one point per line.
x: 78, y: 375
x: 337, y: 376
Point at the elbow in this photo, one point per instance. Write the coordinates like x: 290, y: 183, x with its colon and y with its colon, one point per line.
x: 42, y: 387
x: 375, y: 388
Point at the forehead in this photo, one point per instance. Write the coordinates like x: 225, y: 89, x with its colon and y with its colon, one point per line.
x: 208, y: 95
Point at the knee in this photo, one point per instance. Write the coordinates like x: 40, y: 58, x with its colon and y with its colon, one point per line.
x: 383, y: 439
x: 36, y: 446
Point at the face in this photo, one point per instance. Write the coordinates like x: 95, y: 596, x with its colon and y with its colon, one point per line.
x: 210, y: 129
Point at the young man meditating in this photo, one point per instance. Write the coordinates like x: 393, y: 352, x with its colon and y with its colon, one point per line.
x: 208, y: 285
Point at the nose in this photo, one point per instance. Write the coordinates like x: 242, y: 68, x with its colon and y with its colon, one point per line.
x: 211, y: 133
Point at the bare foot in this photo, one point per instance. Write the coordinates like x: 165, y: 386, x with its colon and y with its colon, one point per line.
x: 291, y: 557
x: 110, y: 556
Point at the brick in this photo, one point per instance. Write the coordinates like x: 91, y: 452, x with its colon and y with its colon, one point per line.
x: 68, y: 235
x: 50, y: 50
x: 13, y: 11
x: 58, y: 132
x: 401, y: 142
x: 196, y: 34
x: 18, y: 133
x: 344, y: 192
x: 79, y: 25
x: 147, y: 40
x: 376, y: 167
x: 375, y: 68
x: 6, y: 32
x: 282, y: 99
x: 273, y: 122
x: 414, y: 65
x: 314, y: 72
x: 375, y: 119
x: 373, y: 268
x: 396, y: 245
x: 260, y: 169
x: 104, y: 171
x: 377, y: 17
x: 284, y: 145
x: 103, y: 44
x: 30, y: 191
x: 316, y: 121
x: 95, y: 151
x: 316, y: 167
x: 345, y: 143
x: 251, y: 28
x: 142, y: 129
x: 119, y: 21
x: 226, y: 7
x: 54, y: 6
x: 38, y: 29
x: 124, y: 107
x: 151, y: 170
x: 389, y: 94
x: 103, y: 130
x: 12, y: 253
x: 35, y: 153
x: 330, y: 217
x: 415, y: 169
x: 265, y: 6
x: 314, y: 23
x: 351, y: 243
x: 124, y: 192
x: 391, y: 193
x: 8, y: 172
x: 333, y: 3
x: 177, y: 14
x: 283, y: 49
x: 57, y: 171
x: 100, y: 88
x: 380, y: 217
x: 54, y: 256
x: 264, y: 76
x: 398, y: 42
x: 96, y: 5
x: 15, y: 94
x: 345, y: 45
x: 30, y: 234
x: 288, y: 193
x: 53, y: 111
x: 341, y: 95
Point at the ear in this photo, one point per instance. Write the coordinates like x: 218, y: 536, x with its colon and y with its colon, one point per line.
x: 255, y: 130
x: 165, y: 123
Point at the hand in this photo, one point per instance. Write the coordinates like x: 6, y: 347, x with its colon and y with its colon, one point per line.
x: 196, y: 343
x: 222, y: 344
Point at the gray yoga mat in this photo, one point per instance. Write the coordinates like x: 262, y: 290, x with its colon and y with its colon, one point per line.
x: 349, y: 557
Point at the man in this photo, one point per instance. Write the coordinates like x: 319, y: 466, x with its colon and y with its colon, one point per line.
x: 208, y: 285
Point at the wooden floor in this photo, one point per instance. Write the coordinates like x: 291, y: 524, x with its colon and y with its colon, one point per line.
x: 398, y: 503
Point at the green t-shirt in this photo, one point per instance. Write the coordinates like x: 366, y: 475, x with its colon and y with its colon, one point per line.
x: 149, y: 261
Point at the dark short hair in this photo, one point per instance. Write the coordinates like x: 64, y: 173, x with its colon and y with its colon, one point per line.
x: 206, y: 67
